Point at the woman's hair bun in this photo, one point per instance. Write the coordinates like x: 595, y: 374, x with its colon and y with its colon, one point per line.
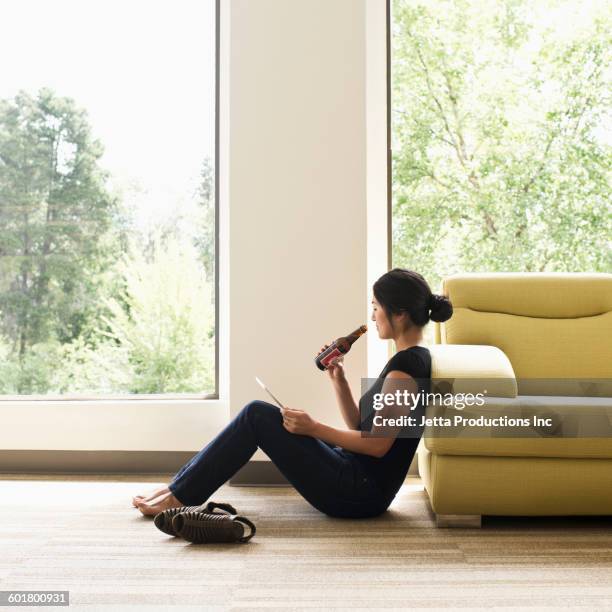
x: 440, y: 307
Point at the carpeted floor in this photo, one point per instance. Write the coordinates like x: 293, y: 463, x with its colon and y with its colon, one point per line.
x: 80, y: 533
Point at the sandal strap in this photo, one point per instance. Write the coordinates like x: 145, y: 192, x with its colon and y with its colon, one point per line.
x: 211, y: 505
x: 243, y: 519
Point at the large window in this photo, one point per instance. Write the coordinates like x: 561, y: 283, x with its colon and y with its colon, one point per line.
x: 107, y: 198
x: 501, y: 135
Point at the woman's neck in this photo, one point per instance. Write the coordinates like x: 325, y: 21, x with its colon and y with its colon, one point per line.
x: 408, y: 339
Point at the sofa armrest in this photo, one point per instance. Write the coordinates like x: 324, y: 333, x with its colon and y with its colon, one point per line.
x: 472, y: 368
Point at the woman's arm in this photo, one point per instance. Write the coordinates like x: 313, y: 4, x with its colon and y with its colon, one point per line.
x: 344, y: 396
x: 350, y: 440
x: 346, y: 403
x: 300, y: 422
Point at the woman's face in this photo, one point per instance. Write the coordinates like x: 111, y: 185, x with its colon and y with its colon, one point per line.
x: 382, y: 322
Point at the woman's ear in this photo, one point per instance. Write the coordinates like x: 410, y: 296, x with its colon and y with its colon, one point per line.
x: 398, y: 319
x: 403, y: 318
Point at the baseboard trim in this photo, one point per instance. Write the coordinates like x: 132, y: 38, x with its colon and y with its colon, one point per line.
x: 254, y: 473
x: 92, y: 462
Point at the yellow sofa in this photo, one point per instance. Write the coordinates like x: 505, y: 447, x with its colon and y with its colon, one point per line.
x: 524, y: 333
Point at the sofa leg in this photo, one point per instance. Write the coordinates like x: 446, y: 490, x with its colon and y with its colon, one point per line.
x: 459, y: 520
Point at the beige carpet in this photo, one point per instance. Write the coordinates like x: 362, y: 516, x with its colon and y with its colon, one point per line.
x: 79, y: 533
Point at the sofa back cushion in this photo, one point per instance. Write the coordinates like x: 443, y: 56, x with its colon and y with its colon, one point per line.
x: 550, y: 325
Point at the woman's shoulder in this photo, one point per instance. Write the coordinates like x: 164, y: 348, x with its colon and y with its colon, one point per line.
x: 415, y: 361
x: 419, y: 351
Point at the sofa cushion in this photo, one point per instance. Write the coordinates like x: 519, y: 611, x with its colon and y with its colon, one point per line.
x: 557, y: 295
x: 549, y: 325
x: 578, y: 417
x: 521, y: 486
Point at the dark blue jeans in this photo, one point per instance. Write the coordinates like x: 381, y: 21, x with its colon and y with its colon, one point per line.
x: 328, y: 478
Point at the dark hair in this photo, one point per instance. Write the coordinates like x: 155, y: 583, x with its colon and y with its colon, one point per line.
x: 401, y: 290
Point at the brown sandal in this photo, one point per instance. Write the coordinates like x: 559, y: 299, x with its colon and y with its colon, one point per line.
x: 202, y: 528
x: 163, y: 520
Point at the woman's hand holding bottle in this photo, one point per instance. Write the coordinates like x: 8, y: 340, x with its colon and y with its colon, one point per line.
x: 335, y: 370
x: 332, y: 354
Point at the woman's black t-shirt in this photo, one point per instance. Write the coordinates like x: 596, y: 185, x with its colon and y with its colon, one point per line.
x: 390, y: 470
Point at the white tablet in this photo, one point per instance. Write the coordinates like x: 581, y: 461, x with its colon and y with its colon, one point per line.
x: 260, y: 383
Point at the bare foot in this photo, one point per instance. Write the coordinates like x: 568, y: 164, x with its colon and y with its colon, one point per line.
x: 159, y: 504
x: 149, y: 496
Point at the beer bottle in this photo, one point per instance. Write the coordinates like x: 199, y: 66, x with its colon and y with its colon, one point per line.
x: 339, y: 347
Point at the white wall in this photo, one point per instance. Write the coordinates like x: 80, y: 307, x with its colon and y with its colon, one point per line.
x: 303, y: 147
x: 298, y: 196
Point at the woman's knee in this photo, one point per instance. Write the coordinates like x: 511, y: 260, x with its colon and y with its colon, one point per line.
x: 258, y: 410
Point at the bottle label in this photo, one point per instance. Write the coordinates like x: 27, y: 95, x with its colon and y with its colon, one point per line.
x: 329, y: 358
